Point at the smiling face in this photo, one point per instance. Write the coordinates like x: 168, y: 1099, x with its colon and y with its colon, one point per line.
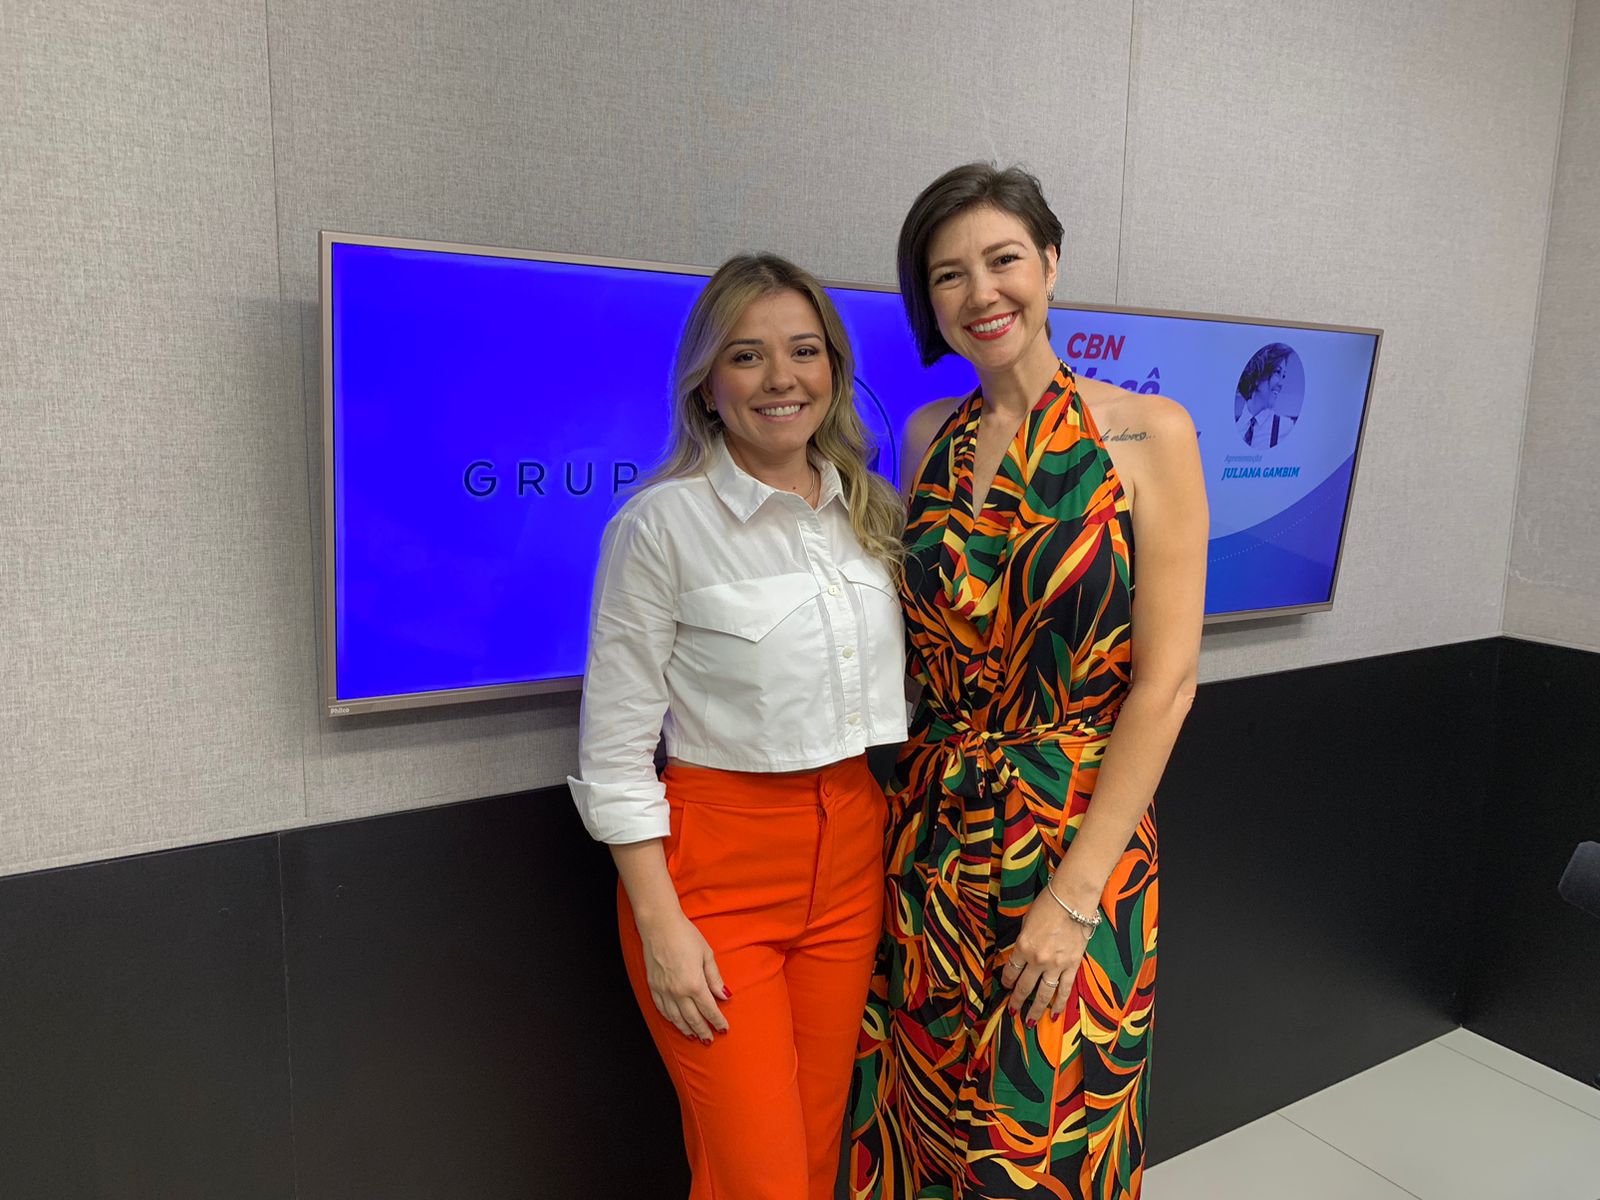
x: 989, y: 287
x: 1266, y: 393
x: 771, y: 384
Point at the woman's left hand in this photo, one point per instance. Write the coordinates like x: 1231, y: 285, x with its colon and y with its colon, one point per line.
x: 1045, y: 960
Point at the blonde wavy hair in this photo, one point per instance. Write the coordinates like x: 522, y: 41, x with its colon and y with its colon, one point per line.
x: 876, y: 513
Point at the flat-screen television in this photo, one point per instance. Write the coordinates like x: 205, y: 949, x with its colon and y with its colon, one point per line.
x: 486, y: 410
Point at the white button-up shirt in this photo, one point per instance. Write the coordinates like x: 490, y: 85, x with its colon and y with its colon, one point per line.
x: 748, y: 630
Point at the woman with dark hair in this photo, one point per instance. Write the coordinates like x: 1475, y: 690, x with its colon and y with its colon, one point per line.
x: 1004, y: 1047
x: 1255, y: 406
x: 744, y: 613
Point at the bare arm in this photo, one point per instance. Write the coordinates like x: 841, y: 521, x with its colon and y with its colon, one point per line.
x: 679, y: 965
x: 1171, y: 525
x: 915, y: 440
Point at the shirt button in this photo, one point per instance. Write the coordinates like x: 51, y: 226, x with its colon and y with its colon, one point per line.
x: 833, y: 589
x: 854, y: 719
x: 849, y: 651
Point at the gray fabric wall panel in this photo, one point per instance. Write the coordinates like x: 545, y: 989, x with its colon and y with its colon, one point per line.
x: 685, y: 135
x: 152, y: 465
x: 1364, y: 163
x: 168, y: 167
x: 678, y: 136
x: 1553, y: 586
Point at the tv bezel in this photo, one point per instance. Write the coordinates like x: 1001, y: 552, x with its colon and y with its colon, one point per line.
x: 328, y: 239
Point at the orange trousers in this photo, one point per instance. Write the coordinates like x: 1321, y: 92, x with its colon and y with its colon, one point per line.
x: 783, y: 876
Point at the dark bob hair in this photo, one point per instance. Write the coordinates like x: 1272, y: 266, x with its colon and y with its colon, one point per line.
x: 975, y: 185
x: 1261, y: 366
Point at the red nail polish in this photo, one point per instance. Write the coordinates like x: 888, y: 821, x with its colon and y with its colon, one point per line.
x: 1031, y: 1022
x: 726, y: 994
x: 705, y: 1041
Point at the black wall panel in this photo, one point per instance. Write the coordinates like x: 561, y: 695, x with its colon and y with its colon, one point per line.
x: 1318, y: 834
x: 143, y: 1053
x: 443, y: 987
x: 460, y: 1021
x: 1535, y: 979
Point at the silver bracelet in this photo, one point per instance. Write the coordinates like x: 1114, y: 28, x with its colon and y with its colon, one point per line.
x: 1089, y: 923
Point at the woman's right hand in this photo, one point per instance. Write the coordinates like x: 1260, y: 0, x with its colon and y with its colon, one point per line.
x: 683, y: 978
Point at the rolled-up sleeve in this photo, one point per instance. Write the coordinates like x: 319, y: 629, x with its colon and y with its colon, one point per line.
x: 631, y: 631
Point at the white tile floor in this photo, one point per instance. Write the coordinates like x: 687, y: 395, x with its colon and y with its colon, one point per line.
x: 1460, y: 1118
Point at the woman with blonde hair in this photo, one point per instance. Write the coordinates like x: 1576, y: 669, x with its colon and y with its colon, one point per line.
x: 745, y: 612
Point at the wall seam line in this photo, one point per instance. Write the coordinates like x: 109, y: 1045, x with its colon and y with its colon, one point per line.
x: 288, y: 1029
x: 1127, y: 126
x: 1473, y: 913
x: 299, y: 390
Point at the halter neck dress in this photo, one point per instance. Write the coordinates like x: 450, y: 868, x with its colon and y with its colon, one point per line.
x: 1020, y: 630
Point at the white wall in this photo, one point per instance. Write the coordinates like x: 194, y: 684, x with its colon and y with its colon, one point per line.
x: 168, y: 166
x: 1553, y: 585
x: 1365, y: 164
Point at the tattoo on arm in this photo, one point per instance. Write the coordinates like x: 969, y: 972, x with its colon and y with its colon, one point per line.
x: 1127, y: 436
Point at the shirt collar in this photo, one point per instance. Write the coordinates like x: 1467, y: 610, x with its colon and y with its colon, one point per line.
x: 743, y: 493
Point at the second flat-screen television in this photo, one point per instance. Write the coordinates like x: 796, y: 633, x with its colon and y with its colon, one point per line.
x: 486, y: 411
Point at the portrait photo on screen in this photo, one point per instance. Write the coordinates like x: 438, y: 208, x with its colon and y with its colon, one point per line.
x: 1271, y: 391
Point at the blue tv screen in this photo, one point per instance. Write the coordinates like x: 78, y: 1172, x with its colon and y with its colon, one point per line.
x: 487, y: 410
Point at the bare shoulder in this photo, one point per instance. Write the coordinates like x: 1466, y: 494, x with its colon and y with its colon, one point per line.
x: 924, y: 422
x: 1134, y: 419
x: 920, y: 429
x: 1151, y: 439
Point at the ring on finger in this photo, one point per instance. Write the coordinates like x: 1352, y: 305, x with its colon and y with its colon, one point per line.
x: 1052, y: 983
